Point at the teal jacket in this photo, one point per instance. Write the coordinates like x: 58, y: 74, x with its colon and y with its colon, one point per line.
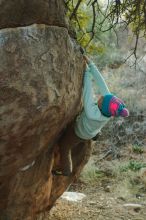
x: 89, y: 123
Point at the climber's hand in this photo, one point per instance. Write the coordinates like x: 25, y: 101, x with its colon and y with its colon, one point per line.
x: 84, y: 65
x: 87, y: 60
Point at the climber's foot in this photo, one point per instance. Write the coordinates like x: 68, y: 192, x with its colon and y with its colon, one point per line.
x: 60, y: 173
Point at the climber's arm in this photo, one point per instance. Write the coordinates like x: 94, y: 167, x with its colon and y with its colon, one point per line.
x: 103, y: 88
x: 91, y: 109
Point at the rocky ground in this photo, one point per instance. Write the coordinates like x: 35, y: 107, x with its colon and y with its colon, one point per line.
x: 114, y: 189
x: 101, y: 203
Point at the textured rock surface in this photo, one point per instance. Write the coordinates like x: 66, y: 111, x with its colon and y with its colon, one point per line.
x: 25, y: 12
x: 40, y: 87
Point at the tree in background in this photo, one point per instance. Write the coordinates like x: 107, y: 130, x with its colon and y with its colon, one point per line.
x: 92, y: 18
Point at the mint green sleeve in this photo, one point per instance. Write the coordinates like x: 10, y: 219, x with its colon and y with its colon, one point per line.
x: 100, y: 82
x: 91, y: 109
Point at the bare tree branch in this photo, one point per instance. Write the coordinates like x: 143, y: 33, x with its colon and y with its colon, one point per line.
x: 116, y: 12
x: 93, y: 22
x: 75, y: 9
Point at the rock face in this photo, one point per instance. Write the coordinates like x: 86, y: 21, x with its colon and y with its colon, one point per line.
x: 40, y: 89
x: 25, y: 12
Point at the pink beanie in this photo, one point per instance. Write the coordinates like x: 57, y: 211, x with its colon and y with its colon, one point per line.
x: 113, y: 106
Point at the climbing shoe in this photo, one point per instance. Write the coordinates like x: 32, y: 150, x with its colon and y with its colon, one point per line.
x: 60, y: 173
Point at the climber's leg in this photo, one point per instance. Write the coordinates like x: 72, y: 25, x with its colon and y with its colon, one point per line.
x: 66, y: 143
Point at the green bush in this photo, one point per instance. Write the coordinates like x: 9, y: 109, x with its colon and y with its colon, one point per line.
x: 137, y: 149
x: 132, y: 165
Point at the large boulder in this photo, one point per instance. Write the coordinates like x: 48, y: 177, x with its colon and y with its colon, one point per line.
x: 41, y: 71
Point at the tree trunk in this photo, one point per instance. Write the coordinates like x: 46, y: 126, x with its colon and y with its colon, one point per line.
x: 41, y: 73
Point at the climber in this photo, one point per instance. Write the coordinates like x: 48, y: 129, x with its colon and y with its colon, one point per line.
x: 95, y: 114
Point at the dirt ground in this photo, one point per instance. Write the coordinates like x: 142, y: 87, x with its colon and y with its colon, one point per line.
x: 100, y: 205
x: 110, y: 192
